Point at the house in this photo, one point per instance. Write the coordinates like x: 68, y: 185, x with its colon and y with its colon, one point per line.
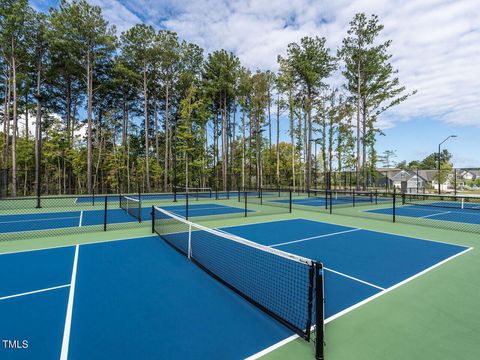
x: 413, y: 180
x: 409, y: 181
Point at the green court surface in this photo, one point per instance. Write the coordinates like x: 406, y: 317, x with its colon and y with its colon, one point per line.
x: 434, y: 316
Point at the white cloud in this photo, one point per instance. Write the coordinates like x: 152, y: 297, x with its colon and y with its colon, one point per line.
x: 436, y: 43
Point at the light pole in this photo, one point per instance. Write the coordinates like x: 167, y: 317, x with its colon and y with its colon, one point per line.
x: 439, y: 145
x: 315, y: 141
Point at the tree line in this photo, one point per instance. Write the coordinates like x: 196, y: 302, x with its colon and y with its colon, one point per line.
x: 146, y: 110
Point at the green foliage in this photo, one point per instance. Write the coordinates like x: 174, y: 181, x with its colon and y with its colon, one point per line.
x: 147, y: 107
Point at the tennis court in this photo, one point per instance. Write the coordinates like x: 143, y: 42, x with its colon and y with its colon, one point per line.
x: 440, y: 211
x: 140, y: 298
x: 67, y: 219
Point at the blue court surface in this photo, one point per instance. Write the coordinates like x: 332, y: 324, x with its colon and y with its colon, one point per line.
x: 67, y: 219
x: 467, y: 215
x: 139, y: 298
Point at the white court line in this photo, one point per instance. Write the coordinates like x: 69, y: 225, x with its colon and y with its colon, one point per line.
x: 68, y: 318
x: 39, y: 219
x: 436, y: 214
x: 34, y: 292
x: 315, y: 237
x: 354, y: 278
x: 81, y: 218
x: 351, y: 308
x: 83, y: 243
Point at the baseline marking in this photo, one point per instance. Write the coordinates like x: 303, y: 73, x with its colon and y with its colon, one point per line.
x: 436, y: 214
x: 34, y: 292
x: 39, y: 219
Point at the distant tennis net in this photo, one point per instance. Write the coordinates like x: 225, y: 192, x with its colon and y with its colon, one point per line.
x: 193, y: 192
x: 132, y: 206
x: 442, y: 201
x: 287, y: 287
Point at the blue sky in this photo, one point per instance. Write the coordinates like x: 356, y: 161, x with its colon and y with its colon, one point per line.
x: 436, y: 49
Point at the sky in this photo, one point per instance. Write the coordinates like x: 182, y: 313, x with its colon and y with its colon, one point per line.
x: 435, y: 48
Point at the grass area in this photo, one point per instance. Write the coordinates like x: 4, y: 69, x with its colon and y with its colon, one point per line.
x: 435, y: 316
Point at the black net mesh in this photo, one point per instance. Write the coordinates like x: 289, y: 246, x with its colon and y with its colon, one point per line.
x: 132, y: 206
x: 279, y: 283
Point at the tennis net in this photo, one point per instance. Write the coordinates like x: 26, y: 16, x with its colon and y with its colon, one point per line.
x: 132, y: 206
x: 287, y: 287
x: 442, y: 201
x: 203, y: 192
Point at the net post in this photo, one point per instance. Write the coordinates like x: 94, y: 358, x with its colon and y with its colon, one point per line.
x: 290, y: 200
x: 93, y: 197
x: 174, y: 194
x: 198, y: 191
x: 261, y: 195
x: 186, y: 206
x: 320, y: 312
x: 245, y: 196
x: 105, y: 215
x: 353, y: 194
x: 216, y: 194
x: 153, y: 219
x: 189, y: 250
x: 394, y: 206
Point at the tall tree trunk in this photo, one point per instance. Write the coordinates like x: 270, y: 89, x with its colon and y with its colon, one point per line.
x: 292, y: 136
x: 243, y: 148
x: 167, y: 138
x: 89, y: 124
x: 26, y: 115
x: 145, y: 114
x: 6, y: 119
x: 269, y: 133
x: 278, y: 140
x: 157, y: 135
x: 233, y: 174
x: 357, y: 183
x: 38, y: 130
x: 15, y: 127
x: 224, y: 143
x: 364, y: 143
x: 309, y: 137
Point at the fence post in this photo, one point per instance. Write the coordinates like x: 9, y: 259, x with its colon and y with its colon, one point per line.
x: 394, y: 208
x: 187, y: 195
x: 105, y: 215
x: 331, y: 201
x: 326, y: 199
x: 290, y: 194
x: 245, y: 195
x: 153, y: 219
